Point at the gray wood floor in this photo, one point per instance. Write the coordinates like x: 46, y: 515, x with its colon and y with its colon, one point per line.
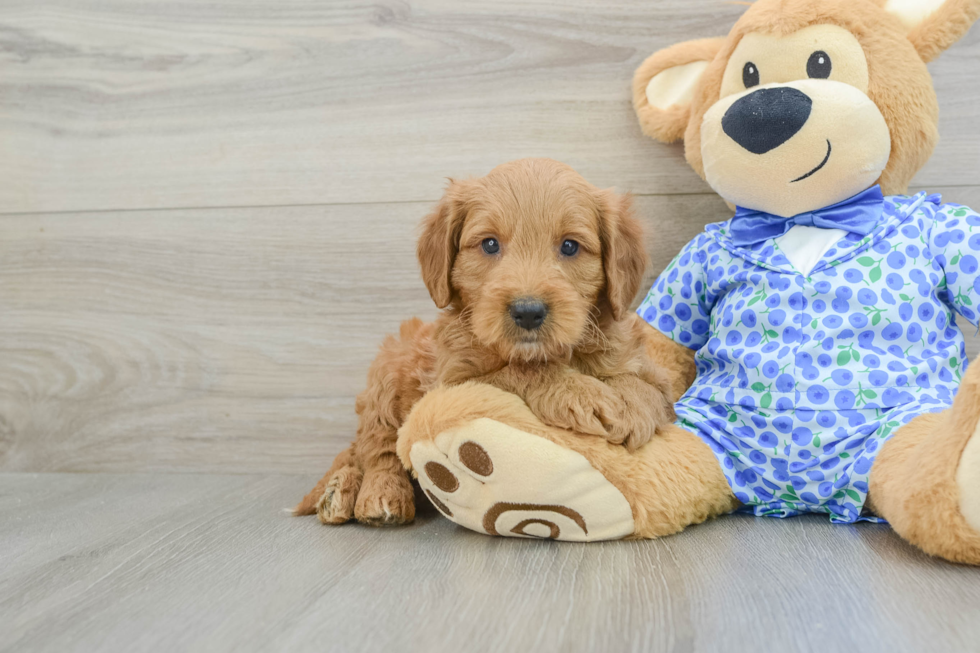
x: 207, y: 215
x: 154, y: 562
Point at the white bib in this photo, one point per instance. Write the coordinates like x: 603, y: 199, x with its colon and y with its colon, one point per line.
x: 805, y: 246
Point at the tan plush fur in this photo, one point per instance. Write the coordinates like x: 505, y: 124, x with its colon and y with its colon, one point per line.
x: 668, y: 124
x: 671, y: 482
x: 913, y: 480
x: 585, y: 369
x: 899, y: 84
x: 944, y: 27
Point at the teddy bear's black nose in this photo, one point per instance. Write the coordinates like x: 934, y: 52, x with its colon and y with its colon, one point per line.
x: 767, y: 118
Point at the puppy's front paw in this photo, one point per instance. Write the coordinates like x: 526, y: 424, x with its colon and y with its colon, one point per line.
x: 386, y: 498
x: 336, y: 504
x: 579, y: 403
x: 647, y: 409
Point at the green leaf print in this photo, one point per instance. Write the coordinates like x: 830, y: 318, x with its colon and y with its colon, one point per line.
x: 876, y: 319
x: 843, y: 357
x: 875, y: 274
x: 733, y: 417
x: 854, y: 495
x: 813, y: 325
x: 856, y: 356
x: 766, y: 400
x: 758, y: 387
x: 788, y: 497
x: 816, y: 440
x: 866, y: 261
x: 905, y: 297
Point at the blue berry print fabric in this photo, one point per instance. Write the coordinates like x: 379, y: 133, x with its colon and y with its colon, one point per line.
x: 801, y: 379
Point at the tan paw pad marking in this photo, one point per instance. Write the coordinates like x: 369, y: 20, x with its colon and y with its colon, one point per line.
x: 443, y: 508
x: 441, y: 477
x: 521, y: 529
x: 492, y: 478
x: 497, y: 510
x: 475, y: 458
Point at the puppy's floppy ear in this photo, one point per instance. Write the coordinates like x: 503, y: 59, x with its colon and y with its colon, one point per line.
x: 665, y: 84
x: 933, y: 25
x: 439, y: 242
x: 624, y: 258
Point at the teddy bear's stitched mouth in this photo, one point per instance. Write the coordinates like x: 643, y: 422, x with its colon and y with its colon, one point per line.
x: 822, y: 164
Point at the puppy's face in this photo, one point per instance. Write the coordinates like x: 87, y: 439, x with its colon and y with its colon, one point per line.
x: 528, y: 252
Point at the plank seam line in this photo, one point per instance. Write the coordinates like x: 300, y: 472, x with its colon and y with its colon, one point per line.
x: 161, y: 209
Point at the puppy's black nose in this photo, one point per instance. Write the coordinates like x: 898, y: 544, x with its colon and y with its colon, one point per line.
x: 528, y: 314
x: 767, y: 118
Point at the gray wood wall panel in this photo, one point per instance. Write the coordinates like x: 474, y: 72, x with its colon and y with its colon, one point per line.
x: 220, y: 339
x: 113, y: 104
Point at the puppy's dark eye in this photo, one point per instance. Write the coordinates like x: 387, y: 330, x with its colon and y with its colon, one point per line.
x: 818, y: 65
x: 569, y: 248
x: 491, y: 245
x: 750, y: 75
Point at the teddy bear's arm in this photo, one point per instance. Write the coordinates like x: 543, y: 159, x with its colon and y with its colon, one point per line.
x: 954, y: 243
x: 675, y: 359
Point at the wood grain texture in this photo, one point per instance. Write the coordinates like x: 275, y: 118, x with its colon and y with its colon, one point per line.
x: 221, y: 339
x: 124, y: 104
x: 210, y: 563
x: 225, y: 339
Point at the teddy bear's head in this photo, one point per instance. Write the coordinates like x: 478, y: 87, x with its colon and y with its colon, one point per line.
x: 805, y: 102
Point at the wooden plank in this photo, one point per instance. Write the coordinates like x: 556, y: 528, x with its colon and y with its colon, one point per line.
x: 212, y: 339
x: 218, y: 340
x: 209, y: 563
x: 111, y: 104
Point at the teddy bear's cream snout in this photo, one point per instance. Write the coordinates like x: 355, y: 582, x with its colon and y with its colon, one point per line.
x: 793, y: 147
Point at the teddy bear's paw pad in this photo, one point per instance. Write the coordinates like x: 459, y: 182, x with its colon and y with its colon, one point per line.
x: 495, y: 479
x: 968, y: 480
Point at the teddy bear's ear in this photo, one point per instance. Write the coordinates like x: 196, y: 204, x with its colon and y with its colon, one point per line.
x: 933, y: 25
x: 665, y: 84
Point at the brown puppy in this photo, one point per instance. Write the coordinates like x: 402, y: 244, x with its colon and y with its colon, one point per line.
x: 536, y: 269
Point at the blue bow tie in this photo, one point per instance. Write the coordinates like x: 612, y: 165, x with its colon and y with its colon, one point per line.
x: 858, y: 215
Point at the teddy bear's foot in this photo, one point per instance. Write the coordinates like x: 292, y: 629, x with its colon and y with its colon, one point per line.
x: 968, y: 480
x: 926, y: 479
x: 495, y: 479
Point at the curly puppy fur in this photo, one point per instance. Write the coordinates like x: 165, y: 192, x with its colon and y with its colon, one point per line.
x: 586, y: 368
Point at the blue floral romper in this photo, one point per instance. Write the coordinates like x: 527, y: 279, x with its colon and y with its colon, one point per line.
x: 800, y: 380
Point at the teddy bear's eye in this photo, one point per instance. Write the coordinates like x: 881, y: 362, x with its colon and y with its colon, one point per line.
x: 818, y: 66
x: 750, y: 75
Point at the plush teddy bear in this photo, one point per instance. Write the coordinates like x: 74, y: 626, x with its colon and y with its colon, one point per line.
x: 811, y: 339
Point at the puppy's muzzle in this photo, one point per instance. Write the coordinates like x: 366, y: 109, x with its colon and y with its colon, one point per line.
x: 528, y: 314
x: 764, y: 120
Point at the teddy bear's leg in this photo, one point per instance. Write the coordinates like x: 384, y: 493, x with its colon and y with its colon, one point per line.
x: 926, y: 480
x: 489, y: 464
